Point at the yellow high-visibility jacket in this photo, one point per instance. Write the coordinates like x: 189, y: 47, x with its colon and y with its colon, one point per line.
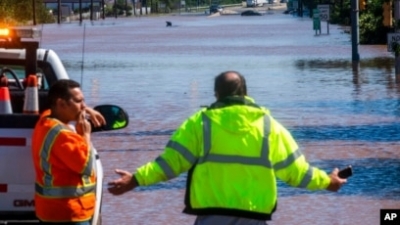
x: 234, y: 150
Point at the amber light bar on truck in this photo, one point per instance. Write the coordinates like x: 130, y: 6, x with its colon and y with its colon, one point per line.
x: 17, y: 33
x: 4, y: 32
x: 12, y: 37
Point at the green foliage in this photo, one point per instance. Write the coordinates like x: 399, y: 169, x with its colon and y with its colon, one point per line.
x: 341, y: 13
x: 372, y: 30
x: 21, y: 12
x: 119, y: 8
x: 171, y: 4
x: 368, y: 25
x: 396, y: 49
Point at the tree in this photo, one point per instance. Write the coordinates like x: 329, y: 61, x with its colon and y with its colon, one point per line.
x: 341, y: 13
x: 371, y: 26
x: 21, y: 12
x: 372, y: 30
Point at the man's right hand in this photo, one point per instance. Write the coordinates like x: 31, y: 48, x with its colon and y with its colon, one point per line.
x: 82, y: 125
x: 336, y: 181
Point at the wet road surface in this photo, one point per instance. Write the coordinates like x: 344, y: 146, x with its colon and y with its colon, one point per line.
x: 162, y: 75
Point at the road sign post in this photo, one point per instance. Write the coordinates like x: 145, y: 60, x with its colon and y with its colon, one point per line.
x: 324, y: 13
x: 397, y: 57
x: 393, y: 45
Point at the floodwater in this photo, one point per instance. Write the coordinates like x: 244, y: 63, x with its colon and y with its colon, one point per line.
x: 160, y: 76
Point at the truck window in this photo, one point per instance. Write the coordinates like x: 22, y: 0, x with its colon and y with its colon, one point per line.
x: 45, y: 74
x: 17, y: 94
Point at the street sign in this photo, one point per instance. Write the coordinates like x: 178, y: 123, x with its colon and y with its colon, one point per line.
x: 392, y: 38
x: 324, y: 12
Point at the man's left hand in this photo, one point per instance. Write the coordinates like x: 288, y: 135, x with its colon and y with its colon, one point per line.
x: 123, y: 184
x: 95, y: 117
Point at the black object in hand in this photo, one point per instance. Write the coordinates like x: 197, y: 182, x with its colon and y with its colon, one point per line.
x: 346, y: 172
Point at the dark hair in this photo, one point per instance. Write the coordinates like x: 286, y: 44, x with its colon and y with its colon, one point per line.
x: 60, y: 89
x: 230, y: 83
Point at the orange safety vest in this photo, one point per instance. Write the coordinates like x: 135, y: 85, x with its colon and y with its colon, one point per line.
x: 65, y: 178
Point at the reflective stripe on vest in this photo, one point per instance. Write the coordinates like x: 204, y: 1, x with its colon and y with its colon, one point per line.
x: 87, y: 171
x: 262, y: 160
x: 182, y: 150
x: 289, y: 160
x: 165, y: 167
x: 307, y: 178
x: 64, y: 191
x: 48, y: 189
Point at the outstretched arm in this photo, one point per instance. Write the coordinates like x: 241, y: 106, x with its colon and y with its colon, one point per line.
x: 125, y: 183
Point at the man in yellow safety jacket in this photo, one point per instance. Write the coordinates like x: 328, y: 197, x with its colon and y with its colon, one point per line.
x: 233, y: 152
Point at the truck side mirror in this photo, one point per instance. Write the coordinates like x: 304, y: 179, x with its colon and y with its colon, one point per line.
x: 116, y: 118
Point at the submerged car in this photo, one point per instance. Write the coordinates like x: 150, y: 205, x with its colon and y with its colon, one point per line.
x: 215, y: 9
x: 250, y: 13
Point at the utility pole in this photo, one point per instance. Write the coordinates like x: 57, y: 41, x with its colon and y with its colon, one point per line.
x: 134, y: 7
x: 34, y: 11
x: 300, y: 8
x: 80, y: 11
x: 59, y: 11
x: 355, y: 37
x: 103, y: 6
x: 396, y: 19
x: 115, y: 9
x: 91, y: 10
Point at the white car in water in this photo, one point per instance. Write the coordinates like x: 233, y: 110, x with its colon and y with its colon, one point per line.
x: 215, y: 9
x: 255, y: 3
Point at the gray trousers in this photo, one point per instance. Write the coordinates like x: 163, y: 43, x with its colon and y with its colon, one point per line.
x: 226, y: 220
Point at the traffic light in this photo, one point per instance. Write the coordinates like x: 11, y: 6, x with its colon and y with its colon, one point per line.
x: 387, y: 14
x: 362, y: 4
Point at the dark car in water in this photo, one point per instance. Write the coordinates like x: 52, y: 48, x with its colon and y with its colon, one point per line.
x: 250, y: 13
x: 215, y: 9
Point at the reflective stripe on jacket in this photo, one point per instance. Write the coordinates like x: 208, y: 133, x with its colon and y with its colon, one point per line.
x: 65, y: 178
x: 234, y: 151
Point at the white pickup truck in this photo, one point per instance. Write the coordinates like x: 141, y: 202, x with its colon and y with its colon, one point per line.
x: 20, y: 57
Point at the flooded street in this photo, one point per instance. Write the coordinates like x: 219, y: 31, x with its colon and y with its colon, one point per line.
x: 161, y: 75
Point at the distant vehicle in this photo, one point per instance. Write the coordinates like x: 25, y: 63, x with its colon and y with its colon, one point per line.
x: 250, y: 13
x: 255, y: 3
x: 215, y: 9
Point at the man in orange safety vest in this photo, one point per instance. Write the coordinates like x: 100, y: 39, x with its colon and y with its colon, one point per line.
x: 62, y: 155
